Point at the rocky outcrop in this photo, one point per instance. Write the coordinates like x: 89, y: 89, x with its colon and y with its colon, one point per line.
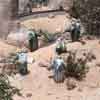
x: 4, y: 16
x: 56, y: 4
x: 7, y: 11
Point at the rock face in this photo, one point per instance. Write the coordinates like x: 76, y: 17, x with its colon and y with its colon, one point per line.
x: 7, y: 11
x: 56, y: 4
x: 24, y: 5
x: 4, y: 16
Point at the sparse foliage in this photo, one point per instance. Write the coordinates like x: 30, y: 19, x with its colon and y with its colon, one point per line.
x: 75, y: 67
x: 48, y: 37
x: 6, y: 90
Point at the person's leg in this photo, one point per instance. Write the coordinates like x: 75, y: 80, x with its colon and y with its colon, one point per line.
x: 25, y: 68
x: 73, y: 36
x: 19, y: 68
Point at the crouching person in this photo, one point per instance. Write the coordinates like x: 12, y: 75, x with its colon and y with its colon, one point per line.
x: 75, y: 30
x: 33, y: 40
x: 58, y: 68
x: 60, y: 46
x: 21, y: 60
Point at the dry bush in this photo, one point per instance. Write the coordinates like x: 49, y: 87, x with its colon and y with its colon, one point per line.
x: 75, y: 67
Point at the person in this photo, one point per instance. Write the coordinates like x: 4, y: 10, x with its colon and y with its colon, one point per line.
x: 75, y: 30
x: 58, y: 67
x: 21, y: 60
x: 33, y: 40
x: 60, y: 46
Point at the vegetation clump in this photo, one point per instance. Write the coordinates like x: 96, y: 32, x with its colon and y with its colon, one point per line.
x: 75, y: 67
x: 6, y: 90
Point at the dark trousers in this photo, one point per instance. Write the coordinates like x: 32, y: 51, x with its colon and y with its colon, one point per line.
x: 33, y: 44
x: 75, y: 35
x: 22, y: 68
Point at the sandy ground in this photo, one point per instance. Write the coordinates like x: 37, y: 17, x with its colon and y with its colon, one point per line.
x: 5, y: 48
x: 37, y: 86
x: 55, y: 24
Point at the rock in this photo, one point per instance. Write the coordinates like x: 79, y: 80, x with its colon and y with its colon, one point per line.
x: 99, y: 42
x: 30, y: 60
x: 29, y: 95
x: 71, y: 83
x: 51, y: 16
x: 91, y: 56
x: 58, y: 30
x: 44, y: 64
x: 58, y: 4
x: 88, y: 37
x: 98, y: 63
x: 80, y: 89
x: 83, y: 42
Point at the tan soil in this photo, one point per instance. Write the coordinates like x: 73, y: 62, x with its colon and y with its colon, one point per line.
x: 56, y: 24
x: 5, y: 48
x: 40, y: 87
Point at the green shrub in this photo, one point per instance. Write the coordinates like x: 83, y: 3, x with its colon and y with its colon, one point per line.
x: 75, y: 67
x: 6, y: 90
x: 48, y: 37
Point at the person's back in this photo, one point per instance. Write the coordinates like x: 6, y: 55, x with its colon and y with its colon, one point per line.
x: 22, y: 57
x: 60, y: 46
x: 58, y: 68
x: 58, y: 63
x: 22, y: 63
x: 33, y: 40
x: 75, y: 30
